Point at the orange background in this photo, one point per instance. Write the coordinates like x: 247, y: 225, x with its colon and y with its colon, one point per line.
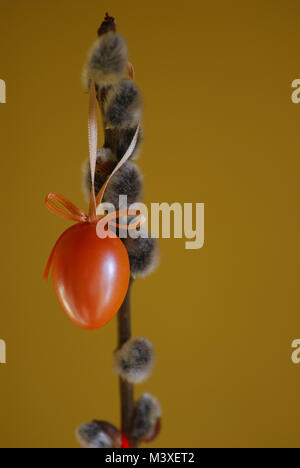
x: 220, y: 128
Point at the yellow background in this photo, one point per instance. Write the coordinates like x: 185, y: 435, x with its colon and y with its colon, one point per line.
x: 221, y: 129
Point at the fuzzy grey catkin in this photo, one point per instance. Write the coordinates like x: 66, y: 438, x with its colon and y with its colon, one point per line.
x: 105, y: 165
x: 127, y: 181
x: 143, y: 255
x: 123, y: 105
x: 125, y: 136
x: 98, y: 434
x: 146, y: 421
x: 134, y: 362
x: 107, y: 61
x: 119, y: 97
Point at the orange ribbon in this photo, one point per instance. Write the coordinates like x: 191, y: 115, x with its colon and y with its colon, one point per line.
x: 61, y: 206
x: 67, y: 209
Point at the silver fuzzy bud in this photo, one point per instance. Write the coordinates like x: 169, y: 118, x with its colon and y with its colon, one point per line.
x: 127, y: 181
x: 134, y: 362
x: 123, y: 105
x: 143, y: 255
x: 106, y: 61
x: 147, y: 419
x: 98, y: 434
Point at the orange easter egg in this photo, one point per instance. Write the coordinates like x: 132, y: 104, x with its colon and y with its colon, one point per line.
x: 90, y: 275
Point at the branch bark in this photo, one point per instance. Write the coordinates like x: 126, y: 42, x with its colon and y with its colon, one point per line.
x: 126, y: 389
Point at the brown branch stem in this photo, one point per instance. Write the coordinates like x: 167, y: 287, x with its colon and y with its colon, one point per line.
x: 126, y: 389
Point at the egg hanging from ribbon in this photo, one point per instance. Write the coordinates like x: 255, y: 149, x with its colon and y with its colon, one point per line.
x: 90, y: 264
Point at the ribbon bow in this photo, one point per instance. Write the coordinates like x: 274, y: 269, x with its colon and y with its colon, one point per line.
x: 61, y: 206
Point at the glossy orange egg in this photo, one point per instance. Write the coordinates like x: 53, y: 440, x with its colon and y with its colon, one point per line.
x: 90, y: 275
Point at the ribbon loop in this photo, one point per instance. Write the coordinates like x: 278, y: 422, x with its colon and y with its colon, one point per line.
x: 61, y: 206
x: 67, y: 210
x: 93, y: 144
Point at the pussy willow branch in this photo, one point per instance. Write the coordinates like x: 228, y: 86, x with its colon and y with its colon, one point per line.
x: 126, y: 389
x: 124, y: 314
